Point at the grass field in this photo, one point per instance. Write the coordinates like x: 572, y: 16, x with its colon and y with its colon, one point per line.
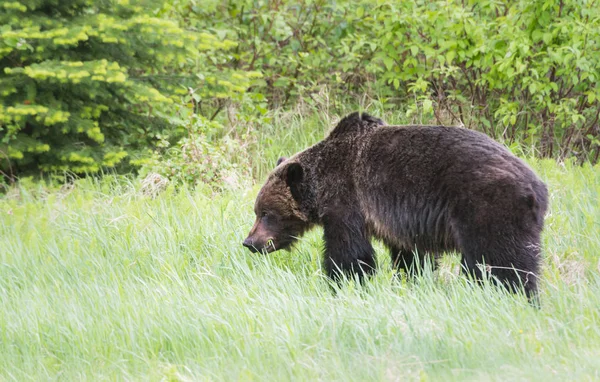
x: 99, y: 282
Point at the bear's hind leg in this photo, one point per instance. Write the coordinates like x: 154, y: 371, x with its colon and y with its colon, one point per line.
x: 471, y: 264
x: 512, y: 260
x: 518, y: 267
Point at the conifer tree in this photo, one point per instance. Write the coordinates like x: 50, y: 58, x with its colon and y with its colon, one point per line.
x: 80, y: 81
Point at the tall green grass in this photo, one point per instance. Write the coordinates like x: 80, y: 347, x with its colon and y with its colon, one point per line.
x: 99, y: 282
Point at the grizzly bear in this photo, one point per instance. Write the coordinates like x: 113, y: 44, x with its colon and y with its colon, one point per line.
x: 421, y: 190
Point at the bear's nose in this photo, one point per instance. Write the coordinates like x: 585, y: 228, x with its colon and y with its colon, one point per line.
x: 248, y: 243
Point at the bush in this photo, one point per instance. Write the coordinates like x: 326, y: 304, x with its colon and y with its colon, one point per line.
x: 523, y: 71
x: 198, y: 159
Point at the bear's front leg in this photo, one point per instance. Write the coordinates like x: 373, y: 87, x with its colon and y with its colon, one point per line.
x: 348, y: 249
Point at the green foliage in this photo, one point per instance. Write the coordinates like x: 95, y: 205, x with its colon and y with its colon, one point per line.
x: 68, y: 101
x: 525, y: 71
x: 215, y: 81
x: 297, y: 46
x: 199, y: 159
x: 85, y: 85
x: 522, y: 71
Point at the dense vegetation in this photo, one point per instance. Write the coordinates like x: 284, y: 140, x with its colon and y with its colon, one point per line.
x: 89, y: 85
x: 522, y: 71
x: 178, y: 87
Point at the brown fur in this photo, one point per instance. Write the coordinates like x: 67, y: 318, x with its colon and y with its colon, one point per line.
x: 419, y: 189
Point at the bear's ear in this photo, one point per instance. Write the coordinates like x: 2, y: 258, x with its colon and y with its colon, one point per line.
x: 280, y: 160
x: 294, y: 175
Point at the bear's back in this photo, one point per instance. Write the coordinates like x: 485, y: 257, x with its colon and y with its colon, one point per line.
x: 429, y: 152
x: 413, y: 180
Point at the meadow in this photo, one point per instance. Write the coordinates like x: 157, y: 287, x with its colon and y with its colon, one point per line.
x: 101, y: 281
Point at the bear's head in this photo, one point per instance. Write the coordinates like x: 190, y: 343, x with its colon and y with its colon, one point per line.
x: 280, y: 217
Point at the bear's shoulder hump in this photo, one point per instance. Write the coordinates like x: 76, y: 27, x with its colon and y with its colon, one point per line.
x: 356, y: 123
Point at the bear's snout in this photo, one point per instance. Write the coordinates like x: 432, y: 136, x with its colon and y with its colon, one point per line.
x: 248, y: 243
x: 257, y: 244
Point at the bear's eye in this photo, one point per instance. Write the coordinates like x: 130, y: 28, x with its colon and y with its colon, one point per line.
x: 263, y: 214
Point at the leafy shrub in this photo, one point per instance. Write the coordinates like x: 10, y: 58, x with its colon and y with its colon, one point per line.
x: 297, y: 46
x: 522, y: 71
x: 202, y: 156
x: 525, y: 71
